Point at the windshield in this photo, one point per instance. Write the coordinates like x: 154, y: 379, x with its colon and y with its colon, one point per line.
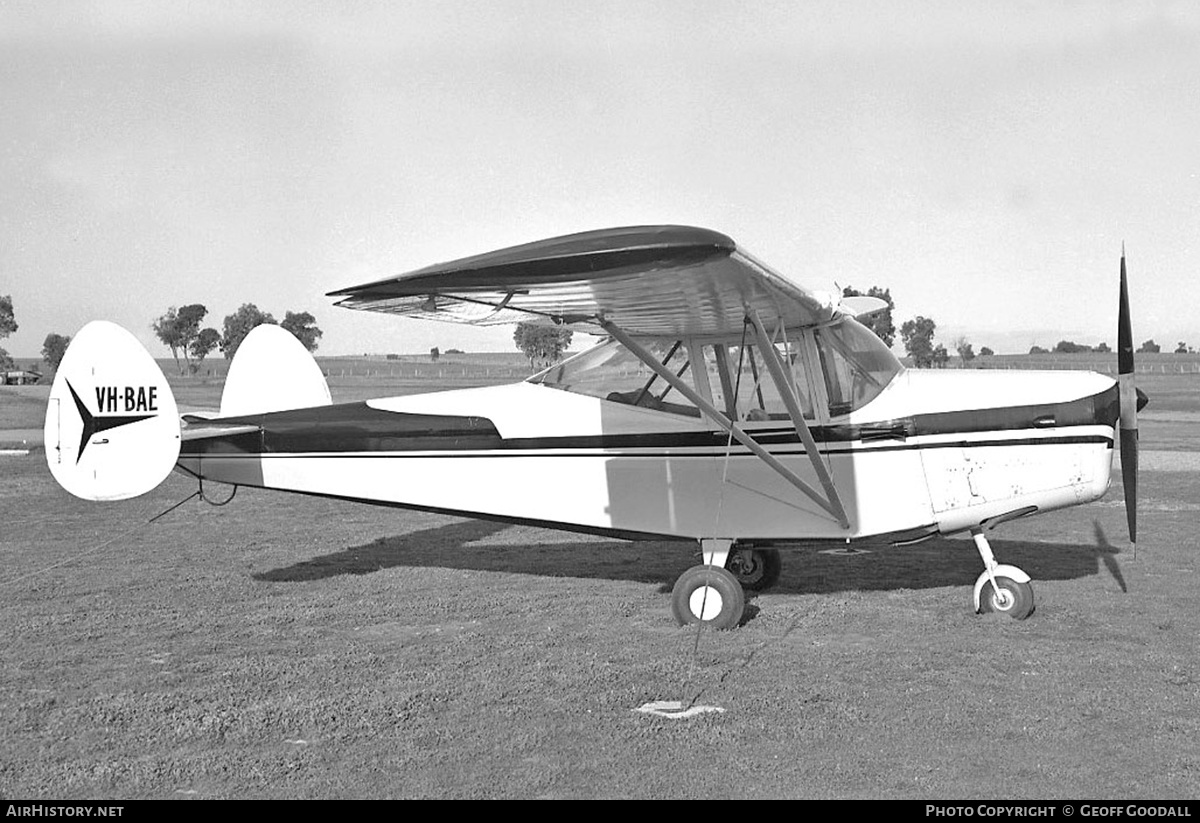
x: 857, y: 365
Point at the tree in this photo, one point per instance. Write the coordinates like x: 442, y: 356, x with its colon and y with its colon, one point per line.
x: 207, y: 340
x: 239, y: 324
x: 542, y: 344
x: 1037, y: 350
x: 8, y: 325
x: 1069, y: 347
x: 304, y: 326
x: 1103, y: 348
x: 986, y: 352
x: 8, y: 321
x: 880, y: 322
x: 434, y: 354
x: 164, y: 330
x: 917, y: 335
x: 940, y: 357
x: 1150, y: 347
x: 178, y: 329
x: 963, y: 346
x: 1181, y: 348
x: 53, y: 349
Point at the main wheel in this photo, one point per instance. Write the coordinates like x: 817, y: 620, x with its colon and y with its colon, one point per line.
x: 708, y: 595
x: 1012, y: 598
x: 755, y: 569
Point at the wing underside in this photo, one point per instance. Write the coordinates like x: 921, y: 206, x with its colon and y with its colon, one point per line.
x: 655, y: 281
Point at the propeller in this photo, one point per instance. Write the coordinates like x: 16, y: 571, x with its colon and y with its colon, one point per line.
x: 1131, y: 401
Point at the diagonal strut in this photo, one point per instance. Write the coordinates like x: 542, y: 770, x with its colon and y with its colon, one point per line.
x: 728, y: 425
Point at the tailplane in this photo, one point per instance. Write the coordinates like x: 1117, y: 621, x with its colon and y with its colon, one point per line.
x: 112, y: 427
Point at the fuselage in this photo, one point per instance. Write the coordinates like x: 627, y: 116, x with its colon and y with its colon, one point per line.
x: 926, y: 452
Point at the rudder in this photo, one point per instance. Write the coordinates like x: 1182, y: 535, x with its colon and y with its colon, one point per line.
x: 112, y: 426
x: 272, y: 371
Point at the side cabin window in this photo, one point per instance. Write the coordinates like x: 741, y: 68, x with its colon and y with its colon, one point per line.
x: 735, y: 377
x: 856, y: 364
x: 739, y: 374
x: 612, y: 372
x: 855, y: 367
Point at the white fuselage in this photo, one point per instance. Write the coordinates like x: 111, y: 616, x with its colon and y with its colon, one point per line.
x: 935, y: 451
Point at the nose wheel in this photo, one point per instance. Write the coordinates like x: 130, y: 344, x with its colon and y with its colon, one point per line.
x: 1001, y: 589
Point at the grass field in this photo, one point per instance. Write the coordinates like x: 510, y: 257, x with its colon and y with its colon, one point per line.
x: 288, y: 647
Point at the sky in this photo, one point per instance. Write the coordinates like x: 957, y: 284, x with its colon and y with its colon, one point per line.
x: 985, y: 161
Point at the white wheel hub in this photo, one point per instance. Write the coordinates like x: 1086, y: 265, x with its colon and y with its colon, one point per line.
x: 706, y: 603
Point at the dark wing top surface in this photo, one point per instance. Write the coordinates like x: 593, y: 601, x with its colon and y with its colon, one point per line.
x: 659, y: 281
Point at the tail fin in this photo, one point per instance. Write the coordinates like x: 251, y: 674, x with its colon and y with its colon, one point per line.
x: 272, y: 371
x: 112, y: 427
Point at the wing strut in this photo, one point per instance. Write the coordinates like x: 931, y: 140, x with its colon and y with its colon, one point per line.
x: 788, y: 391
x: 739, y: 434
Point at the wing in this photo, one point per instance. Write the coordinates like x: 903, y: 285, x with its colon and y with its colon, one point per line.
x: 660, y: 281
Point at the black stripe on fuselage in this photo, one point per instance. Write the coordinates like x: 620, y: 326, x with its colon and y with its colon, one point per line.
x: 357, y: 427
x: 735, y: 451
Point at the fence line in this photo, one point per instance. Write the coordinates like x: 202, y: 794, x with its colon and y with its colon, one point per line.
x: 1105, y: 368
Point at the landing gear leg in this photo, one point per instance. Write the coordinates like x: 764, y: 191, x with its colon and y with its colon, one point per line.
x: 1003, y: 589
x: 708, y: 593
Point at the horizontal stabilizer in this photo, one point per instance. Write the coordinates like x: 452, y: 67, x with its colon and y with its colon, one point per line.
x: 203, y: 430
x: 112, y: 428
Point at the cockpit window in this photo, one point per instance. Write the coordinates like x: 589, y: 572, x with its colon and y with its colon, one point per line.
x: 612, y: 372
x: 856, y: 363
x: 748, y: 378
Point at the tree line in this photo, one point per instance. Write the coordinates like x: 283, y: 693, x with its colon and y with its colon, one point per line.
x: 917, y: 337
x: 1069, y: 347
x: 179, y: 330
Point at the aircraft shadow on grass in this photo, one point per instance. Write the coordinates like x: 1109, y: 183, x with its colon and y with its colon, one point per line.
x: 473, y: 545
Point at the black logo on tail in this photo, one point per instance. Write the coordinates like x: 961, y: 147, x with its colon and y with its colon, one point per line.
x: 94, y: 425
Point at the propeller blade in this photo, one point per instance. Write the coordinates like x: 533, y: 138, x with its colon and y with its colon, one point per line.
x: 1130, y: 403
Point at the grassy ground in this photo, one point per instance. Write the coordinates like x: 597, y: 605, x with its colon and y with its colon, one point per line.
x: 289, y: 647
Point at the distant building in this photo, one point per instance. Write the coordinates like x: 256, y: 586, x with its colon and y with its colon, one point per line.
x: 21, y: 378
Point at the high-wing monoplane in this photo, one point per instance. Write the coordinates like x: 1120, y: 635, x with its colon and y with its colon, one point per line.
x: 723, y: 405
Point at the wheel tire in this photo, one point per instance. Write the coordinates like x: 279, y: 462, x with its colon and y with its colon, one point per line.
x: 1014, y: 599
x: 708, y: 595
x: 755, y: 569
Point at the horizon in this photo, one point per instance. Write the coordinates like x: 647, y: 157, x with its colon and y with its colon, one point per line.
x: 1167, y: 352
